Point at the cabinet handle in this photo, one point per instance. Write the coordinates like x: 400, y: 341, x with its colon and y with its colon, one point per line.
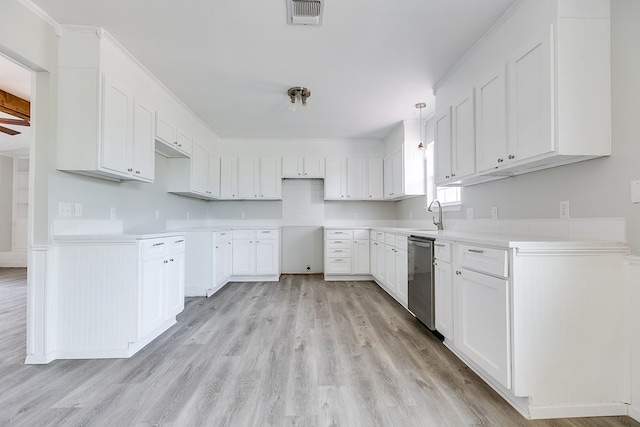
x: 130, y: 170
x: 158, y: 244
x: 305, y: 173
x: 440, y: 245
x: 500, y: 160
x: 166, y: 262
x: 179, y: 241
x: 338, y: 241
x: 458, y: 272
x: 453, y: 174
x: 138, y: 172
x: 476, y: 251
x: 511, y: 157
x: 171, y: 259
x: 338, y: 250
x: 339, y: 260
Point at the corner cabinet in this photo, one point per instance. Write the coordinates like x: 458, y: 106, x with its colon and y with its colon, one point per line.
x: 116, y: 294
x: 542, y: 97
x: 404, y: 163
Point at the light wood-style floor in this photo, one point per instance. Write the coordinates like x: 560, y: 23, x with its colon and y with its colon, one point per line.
x: 301, y: 352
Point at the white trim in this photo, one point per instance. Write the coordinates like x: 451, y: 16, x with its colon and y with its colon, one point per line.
x: 42, y: 15
x: 579, y: 411
x: 477, y: 45
x: 634, y: 413
x: 270, y: 278
x: 632, y: 260
x: 347, y: 277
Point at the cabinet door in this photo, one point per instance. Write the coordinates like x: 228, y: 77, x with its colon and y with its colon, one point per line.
x: 388, y: 177
x: 464, y: 137
x: 270, y: 178
x: 244, y: 257
x: 152, y: 296
x: 443, y: 147
x: 491, y: 121
x: 248, y: 175
x: 292, y: 167
x: 373, y: 258
x: 375, y: 180
x: 335, y: 179
x: 444, y: 298
x: 228, y: 260
x: 398, y: 173
x: 360, y: 257
x: 267, y: 257
x: 531, y: 100
x: 381, y: 255
x: 390, y: 261
x: 175, y: 284
x: 220, y: 269
x: 165, y: 129
x: 184, y: 141
x: 143, y: 143
x: 482, y: 319
x: 402, y: 276
x: 313, y: 167
x: 214, y: 176
x: 200, y: 170
x: 357, y: 179
x: 229, y: 178
x: 116, y: 110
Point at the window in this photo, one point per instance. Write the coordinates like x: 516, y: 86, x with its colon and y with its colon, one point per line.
x: 447, y: 196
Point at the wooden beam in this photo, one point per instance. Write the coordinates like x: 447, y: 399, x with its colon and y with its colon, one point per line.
x: 15, y: 106
x: 15, y: 122
x: 9, y: 131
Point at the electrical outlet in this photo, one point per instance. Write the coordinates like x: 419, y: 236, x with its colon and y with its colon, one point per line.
x: 635, y: 191
x: 564, y: 209
x: 469, y: 213
x: 242, y: 215
x: 77, y: 209
x: 114, y: 213
x: 64, y: 209
x: 494, y: 212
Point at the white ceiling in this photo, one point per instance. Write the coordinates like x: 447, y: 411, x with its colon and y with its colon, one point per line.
x: 232, y: 62
x: 17, y: 81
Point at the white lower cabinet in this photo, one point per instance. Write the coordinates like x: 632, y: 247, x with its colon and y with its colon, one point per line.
x: 389, y: 264
x: 256, y: 254
x: 116, y: 294
x: 223, y: 256
x: 346, y: 254
x: 443, y: 289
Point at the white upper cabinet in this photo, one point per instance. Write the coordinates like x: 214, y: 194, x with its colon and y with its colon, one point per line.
x: 248, y: 178
x: 404, y: 162
x: 103, y: 127
x: 531, y: 90
x: 349, y: 179
x: 491, y: 120
x: 173, y: 141
x: 229, y: 178
x: 303, y: 167
x: 375, y: 180
x: 198, y: 176
x: 357, y: 179
x: 542, y: 87
x: 335, y: 181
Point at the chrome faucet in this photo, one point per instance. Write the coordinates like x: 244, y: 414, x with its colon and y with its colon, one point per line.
x: 437, y: 223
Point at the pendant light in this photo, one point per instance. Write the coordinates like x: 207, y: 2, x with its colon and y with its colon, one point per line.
x: 420, y: 106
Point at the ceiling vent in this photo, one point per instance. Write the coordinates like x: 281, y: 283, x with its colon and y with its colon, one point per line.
x: 305, y: 12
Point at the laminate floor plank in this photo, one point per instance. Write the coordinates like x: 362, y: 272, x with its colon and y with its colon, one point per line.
x: 299, y: 352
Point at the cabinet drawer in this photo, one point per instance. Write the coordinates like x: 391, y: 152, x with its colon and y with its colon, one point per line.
x: 361, y: 234
x: 222, y: 236
x: 244, y: 234
x: 390, y: 239
x: 176, y: 244
x: 338, y: 266
x: 380, y: 236
x: 483, y: 259
x: 338, y: 252
x: 340, y: 234
x: 339, y: 244
x: 153, y: 248
x: 267, y: 234
x: 401, y: 242
x: 442, y: 251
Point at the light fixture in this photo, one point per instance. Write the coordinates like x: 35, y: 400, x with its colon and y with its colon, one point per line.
x: 298, y: 93
x: 420, y: 106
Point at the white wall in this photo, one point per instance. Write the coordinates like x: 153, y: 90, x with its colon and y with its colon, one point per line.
x: 6, y: 202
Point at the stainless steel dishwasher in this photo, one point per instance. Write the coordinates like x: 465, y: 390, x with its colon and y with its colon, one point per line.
x: 421, y: 280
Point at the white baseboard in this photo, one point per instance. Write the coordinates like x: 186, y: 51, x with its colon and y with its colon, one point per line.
x: 634, y: 413
x: 13, y: 259
x: 39, y: 359
x: 347, y: 278
x: 579, y: 411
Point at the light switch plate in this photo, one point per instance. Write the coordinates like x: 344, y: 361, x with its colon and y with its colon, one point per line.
x: 77, y: 209
x: 635, y: 191
x: 114, y: 214
x: 494, y: 212
x: 469, y: 213
x: 564, y: 209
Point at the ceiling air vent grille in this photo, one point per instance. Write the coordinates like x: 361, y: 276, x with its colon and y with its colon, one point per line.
x: 305, y: 12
